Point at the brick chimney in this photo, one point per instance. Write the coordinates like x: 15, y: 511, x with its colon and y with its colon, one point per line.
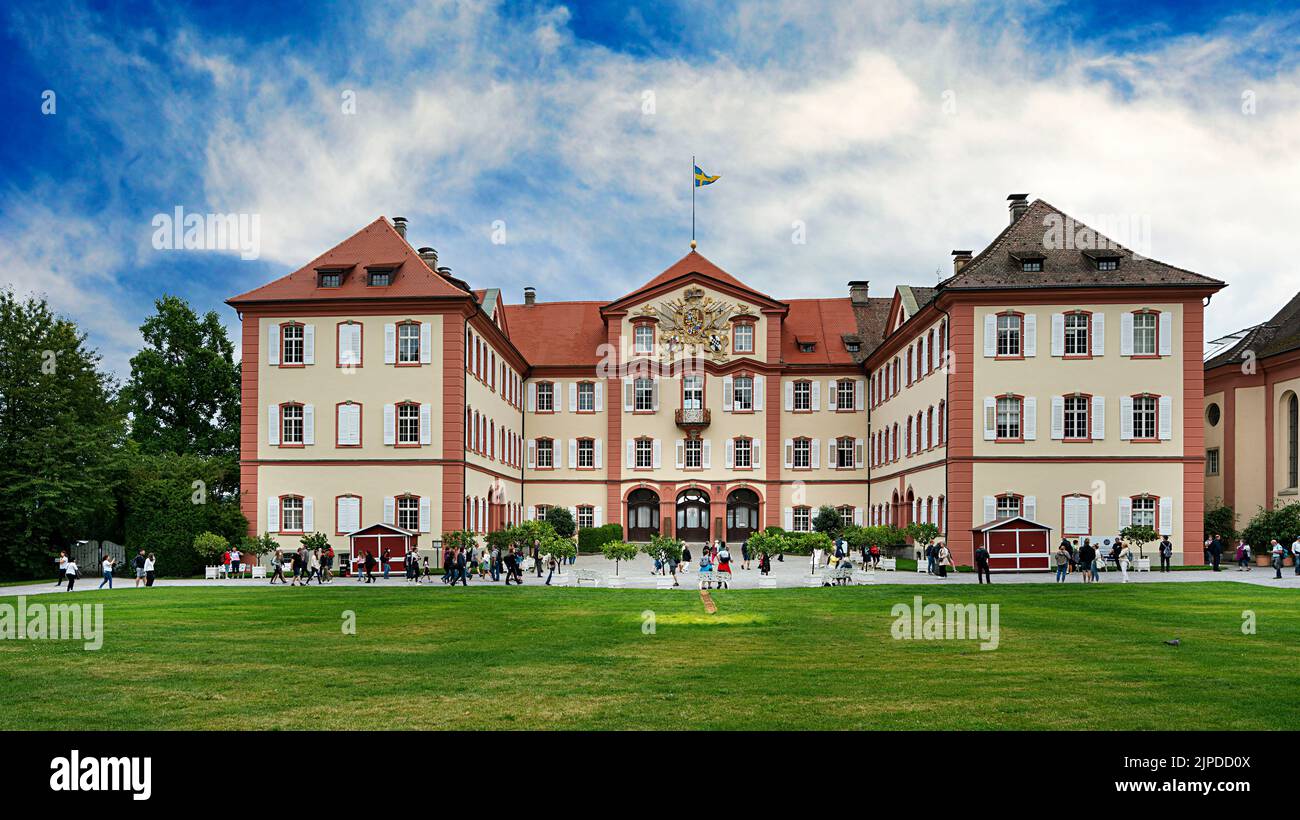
x: 1019, y: 204
x: 430, y: 257
x: 858, y: 291
x: 959, y: 260
x: 530, y: 295
x: 399, y: 224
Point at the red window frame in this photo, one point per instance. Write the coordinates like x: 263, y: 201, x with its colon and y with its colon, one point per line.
x: 537, y: 453
x: 749, y: 322
x: 397, y: 424
x: 338, y: 347
x: 280, y: 421
x: 1021, y: 399
x: 1020, y: 504
x: 361, y: 507
x: 578, y: 393
x: 1133, y: 407
x: 794, y: 452
x: 302, y: 517
x: 794, y: 396
x: 397, y: 344
x: 734, y: 441
x: 853, y: 393
x: 1087, y: 335
x: 283, y: 363
x: 1064, y: 532
x: 1156, y: 352
x: 744, y: 374
x: 537, y: 401
x: 654, y: 336
x: 578, y: 453
x: 996, y: 331
x: 361, y: 426
x: 1087, y: 407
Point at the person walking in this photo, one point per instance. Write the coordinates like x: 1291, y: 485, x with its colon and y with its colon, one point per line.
x: 931, y: 559
x: 138, y: 563
x: 1166, y: 553
x: 512, y: 566
x: 150, y: 562
x: 537, y: 556
x: 107, y: 563
x: 686, y: 557
x: 70, y: 572
x: 1278, y: 552
x: 550, y: 568
x: 386, y: 561
x: 277, y: 568
x: 1087, y: 561
x: 943, y: 559
x: 1124, y: 558
x: 1062, y: 560
x: 494, y: 562
x: 1295, y: 554
x: 327, y: 565
x: 62, y: 564
x: 744, y: 554
x: 982, y: 565
x: 1091, y: 566
x: 724, y: 565
x: 371, y: 563
x: 460, y: 568
x: 235, y: 559
x: 1243, y: 555
x: 1216, y: 551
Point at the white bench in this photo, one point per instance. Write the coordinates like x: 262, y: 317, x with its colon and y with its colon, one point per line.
x: 832, y: 574
x: 210, y: 573
x: 259, y: 571
x: 891, y: 564
x: 1143, y: 564
x: 580, y: 575
x: 714, y: 578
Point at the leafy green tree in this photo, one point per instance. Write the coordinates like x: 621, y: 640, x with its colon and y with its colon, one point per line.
x: 561, y: 520
x: 558, y: 546
x: 1140, y: 534
x: 169, y: 499
x: 61, y: 435
x: 922, y: 535
x: 663, y: 547
x: 617, y: 551
x: 210, y: 546
x: 315, y: 541
x: 1282, y: 523
x: 1223, y: 520
x: 771, y: 543
x: 183, y: 394
x: 828, y: 521
x: 263, y: 544
x: 458, y: 538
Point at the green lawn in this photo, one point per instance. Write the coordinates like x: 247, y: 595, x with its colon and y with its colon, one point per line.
x: 1070, y: 657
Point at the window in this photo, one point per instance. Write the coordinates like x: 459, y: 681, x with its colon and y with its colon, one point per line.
x: 802, y: 519
x: 291, y: 513
x: 586, y: 453
x: 408, y: 343
x: 586, y: 397
x: 1108, y: 263
x: 545, y: 454
x: 1145, y: 332
x: 1212, y: 461
x: 807, y: 347
x: 645, y: 398
x: 743, y: 340
x: 330, y: 279
x: 693, y: 453
x: 541, y: 510
x: 643, y: 336
x: 644, y: 454
x: 844, y: 453
x: 742, y: 393
x: 380, y: 278
x: 408, y: 512
x: 1008, y: 418
x: 1031, y: 265
x: 291, y: 344
x: 1076, y: 417
x: 1144, y: 511
x: 1213, y: 414
x: 802, y: 453
x: 586, y: 517
x: 291, y: 424
x: 1008, y: 506
x: 846, y: 514
x: 802, y: 397
x: 1008, y: 334
x: 545, y: 397
x: 408, y: 424
x: 844, y: 395
x: 742, y: 458
x: 852, y: 347
x: 1076, y: 334
x: 1144, y: 416
x: 693, y: 392
x: 1292, y: 440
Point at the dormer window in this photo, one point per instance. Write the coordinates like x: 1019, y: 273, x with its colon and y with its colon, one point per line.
x: 807, y: 347
x: 1108, y: 263
x: 852, y: 347
x: 330, y: 278
x: 1031, y: 265
x: 379, y: 278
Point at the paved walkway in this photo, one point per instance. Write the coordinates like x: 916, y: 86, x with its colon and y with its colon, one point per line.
x: 793, y: 572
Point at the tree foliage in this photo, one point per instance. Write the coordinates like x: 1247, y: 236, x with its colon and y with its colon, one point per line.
x: 828, y: 520
x: 210, y: 546
x: 1223, y: 520
x: 617, y: 551
x: 169, y: 499
x: 1282, y: 523
x: 923, y: 535
x: 561, y: 520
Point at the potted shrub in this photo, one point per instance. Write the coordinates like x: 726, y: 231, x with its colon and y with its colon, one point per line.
x: 617, y: 551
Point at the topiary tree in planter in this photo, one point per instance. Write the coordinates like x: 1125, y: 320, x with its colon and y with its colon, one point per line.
x: 664, y: 548
x: 315, y: 541
x: 771, y: 543
x: 617, y: 551
x: 922, y: 535
x: 828, y: 521
x: 210, y: 546
x: 1282, y: 523
x: 1141, y: 534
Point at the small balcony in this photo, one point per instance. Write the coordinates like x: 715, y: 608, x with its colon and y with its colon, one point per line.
x: 692, y: 419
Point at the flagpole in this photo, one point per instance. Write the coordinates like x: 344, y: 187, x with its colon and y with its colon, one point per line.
x: 692, y: 202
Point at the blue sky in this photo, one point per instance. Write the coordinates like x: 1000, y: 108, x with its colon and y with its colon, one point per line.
x: 887, y: 133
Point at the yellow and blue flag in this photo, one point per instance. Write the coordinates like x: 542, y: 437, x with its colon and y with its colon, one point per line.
x: 702, y: 178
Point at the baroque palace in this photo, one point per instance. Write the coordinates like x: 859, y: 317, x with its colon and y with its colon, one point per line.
x: 1060, y: 382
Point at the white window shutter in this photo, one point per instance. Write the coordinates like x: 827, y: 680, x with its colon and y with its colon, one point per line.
x: 990, y: 335
x: 654, y: 394
x: 789, y: 519
x: 629, y: 395
x: 859, y: 448
x: 1031, y: 334
x: 760, y: 383
x: 815, y: 453
x: 1125, y: 512
x: 858, y: 394
x: 532, y: 513
x: 273, y: 424
x: 726, y: 394
x: 426, y: 343
x: 1166, y: 523
x: 1126, y: 334
x: 681, y: 454
x: 857, y: 516
x: 390, y: 424
x: 934, y: 428
x: 657, y: 452
x: 390, y: 344
x: 1058, y: 334
x: 425, y: 516
x: 1125, y: 418
x: 1098, y: 417
x: 573, y: 397
x: 789, y: 453
x: 390, y: 509
x: 597, y: 519
x: 990, y: 418
x: 1166, y: 421
x: 1058, y: 417
x: 426, y: 424
x: 532, y: 396
x: 990, y: 508
x: 600, y: 397
x: 706, y: 453
x: 272, y: 514
x: 532, y: 452
x: 1098, y: 334
x: 631, y: 453
x: 789, y: 396
x: 309, y: 424
x: 731, y: 453
x: 600, y: 453
x: 308, y: 514
x: 309, y: 344
x: 1166, y: 333
x: 1031, y: 418
x: 573, y: 453
x: 832, y: 395
x: 756, y: 452
x: 1031, y: 507
x: 273, y: 346
x: 816, y: 402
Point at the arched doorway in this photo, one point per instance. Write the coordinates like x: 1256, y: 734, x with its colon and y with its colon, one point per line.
x: 693, y: 515
x: 910, y: 513
x: 742, y: 514
x: 642, y: 514
x: 893, y: 511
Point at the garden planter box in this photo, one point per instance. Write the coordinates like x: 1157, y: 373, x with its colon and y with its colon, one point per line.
x: 1266, y: 560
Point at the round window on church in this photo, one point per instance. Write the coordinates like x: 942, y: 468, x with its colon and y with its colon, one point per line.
x: 1212, y: 415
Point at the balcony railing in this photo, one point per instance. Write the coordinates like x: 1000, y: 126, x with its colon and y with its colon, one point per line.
x: 692, y: 419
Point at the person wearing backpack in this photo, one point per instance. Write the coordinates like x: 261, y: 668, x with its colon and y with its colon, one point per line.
x: 982, y: 565
x: 1166, y: 553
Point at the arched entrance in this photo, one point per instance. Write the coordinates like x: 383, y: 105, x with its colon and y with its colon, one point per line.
x: 742, y: 514
x: 642, y: 514
x: 693, y: 515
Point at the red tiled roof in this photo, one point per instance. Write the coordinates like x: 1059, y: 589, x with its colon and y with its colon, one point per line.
x: 376, y: 244
x: 556, y: 333
x: 693, y: 262
x: 824, y: 321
